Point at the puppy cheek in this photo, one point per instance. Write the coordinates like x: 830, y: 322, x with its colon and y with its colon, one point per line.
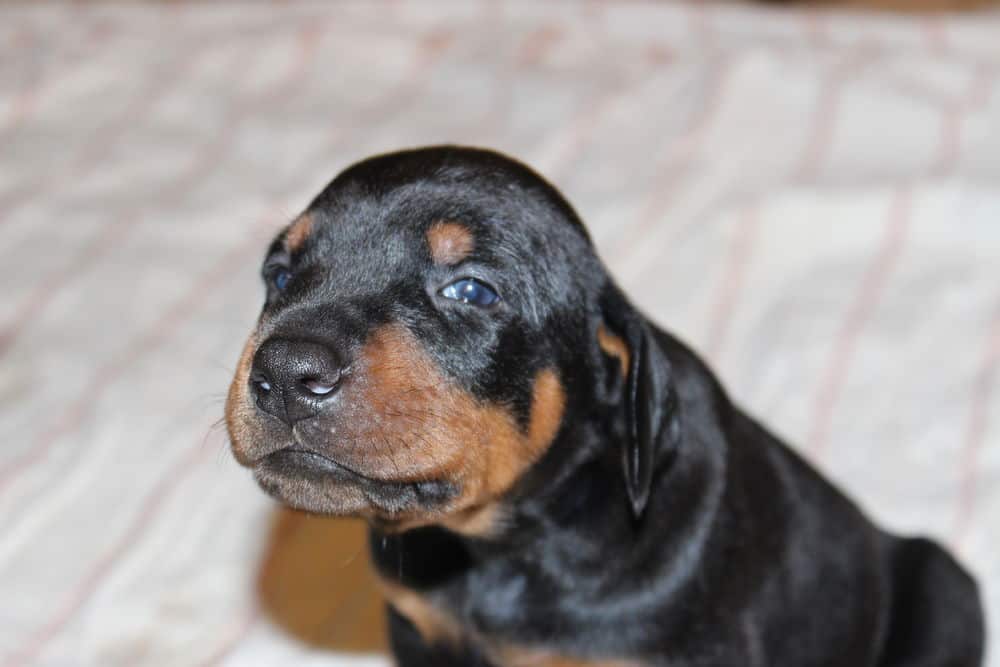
x: 238, y: 406
x: 479, y: 448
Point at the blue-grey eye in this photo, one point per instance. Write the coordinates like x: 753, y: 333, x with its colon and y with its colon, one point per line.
x: 281, y: 278
x: 471, y: 291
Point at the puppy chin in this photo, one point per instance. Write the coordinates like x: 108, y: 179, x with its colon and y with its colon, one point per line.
x: 327, y: 497
x: 312, y: 483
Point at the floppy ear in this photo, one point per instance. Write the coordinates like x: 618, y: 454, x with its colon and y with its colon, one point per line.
x: 647, y: 397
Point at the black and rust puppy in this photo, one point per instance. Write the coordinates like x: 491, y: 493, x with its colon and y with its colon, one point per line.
x: 550, y: 479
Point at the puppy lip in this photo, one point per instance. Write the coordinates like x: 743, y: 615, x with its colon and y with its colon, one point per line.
x: 313, y: 482
x: 294, y: 459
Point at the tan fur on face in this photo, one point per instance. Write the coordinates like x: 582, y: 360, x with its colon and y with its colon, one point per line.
x: 450, y: 242
x: 298, y: 232
x: 239, y: 412
x: 404, y: 420
x: 400, y: 419
x: 613, y: 346
x: 417, y: 425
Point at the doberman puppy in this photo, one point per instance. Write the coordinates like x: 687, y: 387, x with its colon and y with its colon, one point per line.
x: 550, y: 479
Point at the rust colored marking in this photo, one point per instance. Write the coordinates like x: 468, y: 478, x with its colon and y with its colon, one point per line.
x: 480, y: 521
x: 483, y: 521
x: 239, y: 416
x: 298, y: 232
x: 510, y: 656
x: 425, y: 428
x: 614, y: 346
x: 401, y: 419
x: 450, y: 242
x: 433, y: 624
x: 548, y: 401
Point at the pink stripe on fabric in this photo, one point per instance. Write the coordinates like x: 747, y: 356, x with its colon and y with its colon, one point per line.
x: 827, y: 112
x: 537, y: 45
x: 983, y: 389
x: 151, y: 504
x: 19, y: 41
x: 810, y: 162
x: 18, y: 37
x: 530, y: 52
x: 976, y: 431
x: 945, y: 163
x: 702, y: 24
x: 153, y: 338
x: 681, y: 153
x: 864, y: 305
x: 935, y: 33
x: 501, y: 90
x: 866, y: 301
x: 286, y: 531
x: 813, y: 156
x: 741, y: 249
x: 815, y: 28
x: 815, y: 153
x: 110, y: 235
x: 581, y: 128
x: 100, y: 143
x: 954, y: 115
x: 430, y: 50
x: 233, y: 637
x: 26, y: 100
x: 142, y: 346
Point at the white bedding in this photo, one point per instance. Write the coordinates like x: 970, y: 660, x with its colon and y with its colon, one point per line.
x: 811, y: 199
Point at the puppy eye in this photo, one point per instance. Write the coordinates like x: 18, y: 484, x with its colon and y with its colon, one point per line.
x: 281, y: 278
x: 470, y: 291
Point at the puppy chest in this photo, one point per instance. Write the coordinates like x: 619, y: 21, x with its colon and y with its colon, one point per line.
x: 438, y: 625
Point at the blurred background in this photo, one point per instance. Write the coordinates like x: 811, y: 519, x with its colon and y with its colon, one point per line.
x: 808, y: 195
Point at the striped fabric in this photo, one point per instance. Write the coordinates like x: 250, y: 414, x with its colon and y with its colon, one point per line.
x: 811, y: 199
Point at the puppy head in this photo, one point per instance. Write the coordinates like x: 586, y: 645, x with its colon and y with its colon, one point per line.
x: 434, y: 323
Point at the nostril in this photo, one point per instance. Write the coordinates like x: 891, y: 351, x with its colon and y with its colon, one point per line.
x: 318, y: 387
x: 261, y: 383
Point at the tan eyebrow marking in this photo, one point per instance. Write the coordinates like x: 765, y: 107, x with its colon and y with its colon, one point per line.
x: 298, y: 232
x: 450, y: 242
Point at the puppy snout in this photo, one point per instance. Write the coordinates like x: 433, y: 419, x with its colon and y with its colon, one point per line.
x: 292, y: 379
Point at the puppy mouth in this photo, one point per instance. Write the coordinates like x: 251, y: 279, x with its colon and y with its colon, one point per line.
x: 315, y: 483
x: 305, y: 464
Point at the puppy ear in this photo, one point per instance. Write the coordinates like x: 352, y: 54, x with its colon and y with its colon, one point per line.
x: 647, y: 396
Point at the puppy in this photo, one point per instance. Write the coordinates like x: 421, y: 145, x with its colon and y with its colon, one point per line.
x: 550, y: 479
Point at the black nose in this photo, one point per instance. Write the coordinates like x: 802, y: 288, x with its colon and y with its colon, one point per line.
x: 291, y: 379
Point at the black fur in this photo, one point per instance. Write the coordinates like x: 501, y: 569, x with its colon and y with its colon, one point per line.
x: 663, y: 526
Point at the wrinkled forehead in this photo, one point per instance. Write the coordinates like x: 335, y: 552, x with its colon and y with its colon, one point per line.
x: 367, y: 242
x: 367, y: 238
